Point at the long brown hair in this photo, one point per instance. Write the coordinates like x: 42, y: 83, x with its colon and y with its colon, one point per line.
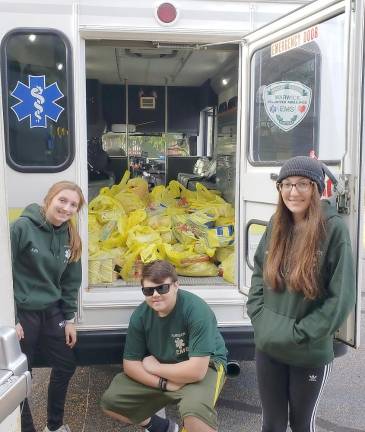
x: 75, y: 240
x: 292, y: 258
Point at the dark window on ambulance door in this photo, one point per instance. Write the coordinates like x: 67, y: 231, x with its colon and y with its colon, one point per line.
x: 298, y: 95
x: 278, y: 132
x: 37, y: 100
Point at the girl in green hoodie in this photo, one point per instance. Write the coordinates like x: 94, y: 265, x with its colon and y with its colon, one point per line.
x: 46, y: 252
x: 302, y: 290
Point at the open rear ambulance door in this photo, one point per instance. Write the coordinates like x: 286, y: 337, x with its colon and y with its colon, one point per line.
x: 301, y: 95
x: 9, y: 414
x: 9, y: 424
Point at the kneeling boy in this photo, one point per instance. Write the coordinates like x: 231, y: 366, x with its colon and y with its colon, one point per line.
x: 174, y: 353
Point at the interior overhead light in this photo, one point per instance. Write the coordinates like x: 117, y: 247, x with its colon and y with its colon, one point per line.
x: 59, y: 66
x: 224, y: 81
x: 32, y: 37
x: 149, y: 54
x: 178, y: 46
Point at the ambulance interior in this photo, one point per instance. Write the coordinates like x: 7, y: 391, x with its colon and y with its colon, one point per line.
x: 162, y: 143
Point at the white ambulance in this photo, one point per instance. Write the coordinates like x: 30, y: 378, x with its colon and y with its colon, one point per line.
x: 164, y: 87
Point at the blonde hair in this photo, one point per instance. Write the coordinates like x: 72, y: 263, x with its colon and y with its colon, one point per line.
x: 75, y: 240
x: 292, y: 258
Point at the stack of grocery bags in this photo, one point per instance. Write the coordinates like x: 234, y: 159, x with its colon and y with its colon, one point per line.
x: 129, y: 226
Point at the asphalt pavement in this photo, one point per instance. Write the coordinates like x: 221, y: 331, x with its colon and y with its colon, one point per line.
x: 342, y: 408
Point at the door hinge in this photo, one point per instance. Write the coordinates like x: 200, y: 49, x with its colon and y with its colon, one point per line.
x: 343, y: 195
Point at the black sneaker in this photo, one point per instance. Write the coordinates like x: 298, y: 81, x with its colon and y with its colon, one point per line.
x: 173, y: 427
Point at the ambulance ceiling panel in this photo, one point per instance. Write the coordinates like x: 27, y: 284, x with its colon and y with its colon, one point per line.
x: 156, y: 64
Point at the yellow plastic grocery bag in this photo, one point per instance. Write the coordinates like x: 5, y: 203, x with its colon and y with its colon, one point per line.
x: 223, y: 252
x: 220, y: 236
x: 138, y: 186
x: 198, y: 269
x: 156, y: 195
x: 183, y: 255
x: 103, y: 209
x: 227, y: 267
x: 122, y: 184
x: 142, y: 235
x: 152, y: 252
x: 130, y: 269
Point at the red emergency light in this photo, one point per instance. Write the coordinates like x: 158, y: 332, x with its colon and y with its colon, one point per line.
x: 166, y: 13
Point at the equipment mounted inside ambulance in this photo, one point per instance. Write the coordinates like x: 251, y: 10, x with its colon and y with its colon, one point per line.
x: 175, y: 119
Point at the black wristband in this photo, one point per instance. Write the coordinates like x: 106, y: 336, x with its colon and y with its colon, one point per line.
x: 162, y: 384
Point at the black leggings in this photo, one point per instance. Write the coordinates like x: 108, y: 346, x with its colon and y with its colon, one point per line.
x: 282, y: 386
x: 44, y: 334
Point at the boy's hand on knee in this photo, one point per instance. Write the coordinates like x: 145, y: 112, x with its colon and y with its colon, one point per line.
x: 171, y: 386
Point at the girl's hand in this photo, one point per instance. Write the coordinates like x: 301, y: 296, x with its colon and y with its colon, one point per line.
x: 19, y: 331
x: 70, y: 334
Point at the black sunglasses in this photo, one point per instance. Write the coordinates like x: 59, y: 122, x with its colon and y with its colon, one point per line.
x: 161, y: 289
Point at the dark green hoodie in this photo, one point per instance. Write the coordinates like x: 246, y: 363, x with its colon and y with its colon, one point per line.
x: 295, y: 330
x: 42, y: 274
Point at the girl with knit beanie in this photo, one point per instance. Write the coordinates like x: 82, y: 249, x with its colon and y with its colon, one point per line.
x: 302, y: 290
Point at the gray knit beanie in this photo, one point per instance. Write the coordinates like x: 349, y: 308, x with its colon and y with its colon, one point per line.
x: 306, y: 167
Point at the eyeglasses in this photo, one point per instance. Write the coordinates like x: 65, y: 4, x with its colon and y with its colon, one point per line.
x: 301, y: 186
x: 161, y: 289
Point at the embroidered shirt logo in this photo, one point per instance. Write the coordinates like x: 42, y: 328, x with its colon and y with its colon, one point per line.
x: 67, y: 254
x: 37, y: 101
x: 180, y: 344
x: 312, y: 378
x: 34, y: 250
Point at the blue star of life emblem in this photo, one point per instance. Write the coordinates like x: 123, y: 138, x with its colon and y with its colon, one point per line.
x: 37, y: 101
